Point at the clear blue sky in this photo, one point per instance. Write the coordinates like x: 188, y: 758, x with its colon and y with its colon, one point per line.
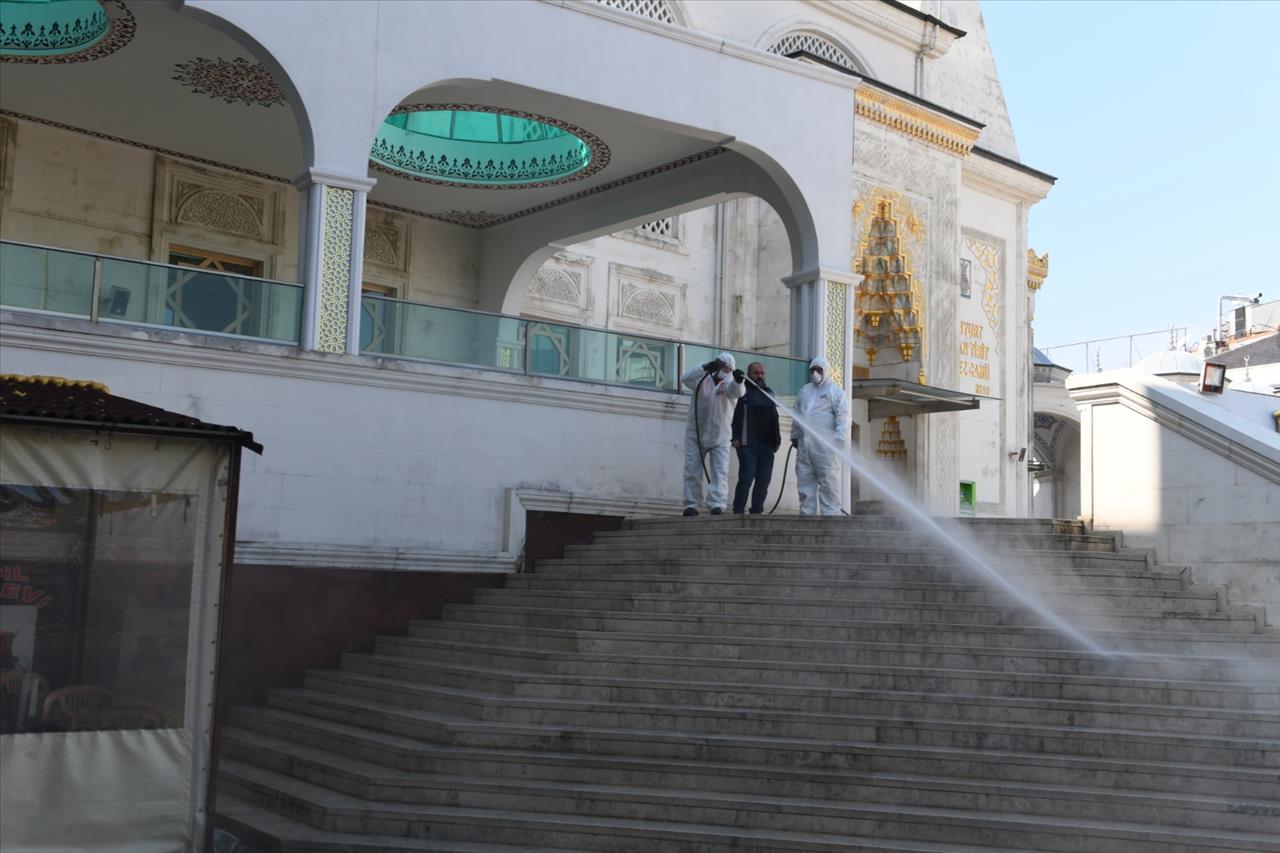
x: 1161, y: 121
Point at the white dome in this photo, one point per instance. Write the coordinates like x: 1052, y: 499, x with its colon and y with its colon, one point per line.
x: 1170, y: 362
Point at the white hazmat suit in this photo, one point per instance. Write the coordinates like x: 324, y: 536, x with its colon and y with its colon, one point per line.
x: 711, y: 417
x: 825, y: 408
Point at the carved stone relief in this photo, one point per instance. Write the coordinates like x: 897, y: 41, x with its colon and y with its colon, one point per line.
x: 386, y: 238
x: 645, y: 300
x: 556, y: 285
x: 219, y: 210
x: 648, y: 305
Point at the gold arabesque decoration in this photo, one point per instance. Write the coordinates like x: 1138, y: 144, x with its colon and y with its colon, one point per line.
x: 1037, y: 269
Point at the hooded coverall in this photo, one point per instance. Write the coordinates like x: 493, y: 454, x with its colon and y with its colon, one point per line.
x: 714, y: 396
x: 825, y: 408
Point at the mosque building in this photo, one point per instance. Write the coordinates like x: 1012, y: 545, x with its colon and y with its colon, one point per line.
x: 450, y: 285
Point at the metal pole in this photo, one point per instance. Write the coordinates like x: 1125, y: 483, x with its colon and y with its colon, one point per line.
x: 95, y: 294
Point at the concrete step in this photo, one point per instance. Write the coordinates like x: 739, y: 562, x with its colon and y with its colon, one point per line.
x: 856, y: 767
x: 919, y: 700
x: 801, y: 656
x: 1125, y: 597
x: 529, y: 671
x: 1086, y: 577
x: 659, y: 525
x: 1188, y: 617
x: 595, y: 825
x: 1260, y: 645
x: 314, y: 806
x: 263, y: 829
x: 436, y: 779
x: 866, y: 540
x: 370, y: 781
x: 951, y: 724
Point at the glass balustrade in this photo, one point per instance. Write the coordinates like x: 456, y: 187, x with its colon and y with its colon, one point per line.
x: 36, y: 278
x: 33, y: 278
x: 783, y: 374
x: 395, y: 327
x: 200, y: 300
x: 600, y: 356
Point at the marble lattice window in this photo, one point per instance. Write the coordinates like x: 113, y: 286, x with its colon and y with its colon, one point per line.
x: 815, y: 45
x: 659, y: 10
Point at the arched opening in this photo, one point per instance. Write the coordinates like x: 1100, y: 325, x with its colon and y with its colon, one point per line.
x: 170, y: 141
x: 1055, y: 466
x: 466, y: 213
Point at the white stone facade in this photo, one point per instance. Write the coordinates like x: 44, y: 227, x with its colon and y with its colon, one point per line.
x: 733, y: 212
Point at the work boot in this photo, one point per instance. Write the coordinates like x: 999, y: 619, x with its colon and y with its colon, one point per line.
x: 718, y: 511
x: 688, y: 511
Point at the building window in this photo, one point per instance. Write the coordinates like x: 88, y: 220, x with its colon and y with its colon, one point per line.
x: 815, y: 45
x: 658, y: 10
x: 202, y: 299
x: 664, y: 227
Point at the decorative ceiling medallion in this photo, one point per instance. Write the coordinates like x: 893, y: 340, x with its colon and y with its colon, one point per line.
x: 235, y: 81
x: 481, y: 219
x: 482, y: 147
x: 53, y: 32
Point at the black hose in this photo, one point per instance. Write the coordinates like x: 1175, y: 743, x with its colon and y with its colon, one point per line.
x: 785, y: 463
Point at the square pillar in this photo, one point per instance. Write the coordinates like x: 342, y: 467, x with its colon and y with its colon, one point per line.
x: 332, y: 260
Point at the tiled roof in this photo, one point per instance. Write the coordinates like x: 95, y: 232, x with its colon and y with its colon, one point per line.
x: 83, y: 402
x: 1265, y: 351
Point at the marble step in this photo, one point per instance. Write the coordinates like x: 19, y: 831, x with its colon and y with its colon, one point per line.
x: 1043, y: 672
x: 1125, y: 597
x: 1263, y: 644
x: 530, y: 672
x: 1088, y: 577
x: 436, y: 780
x: 927, y: 725
x: 648, y: 821
x: 867, y: 766
x: 1192, y: 615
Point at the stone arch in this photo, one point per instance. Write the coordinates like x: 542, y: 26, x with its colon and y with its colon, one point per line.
x: 293, y: 99
x: 797, y: 33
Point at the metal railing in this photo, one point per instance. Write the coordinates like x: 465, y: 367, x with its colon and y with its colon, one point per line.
x: 1120, y: 351
x: 102, y: 288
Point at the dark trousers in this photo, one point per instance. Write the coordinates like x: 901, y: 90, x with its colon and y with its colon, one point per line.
x: 755, y: 464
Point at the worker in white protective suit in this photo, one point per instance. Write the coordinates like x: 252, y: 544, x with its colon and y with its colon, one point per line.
x: 825, y: 408
x: 716, y: 387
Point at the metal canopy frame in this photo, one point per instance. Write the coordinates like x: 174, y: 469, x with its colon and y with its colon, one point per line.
x: 893, y: 397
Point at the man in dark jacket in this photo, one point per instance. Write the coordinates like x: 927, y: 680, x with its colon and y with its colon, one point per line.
x: 756, y: 437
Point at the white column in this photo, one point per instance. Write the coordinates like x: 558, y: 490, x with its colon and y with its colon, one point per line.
x: 822, y: 324
x: 333, y: 260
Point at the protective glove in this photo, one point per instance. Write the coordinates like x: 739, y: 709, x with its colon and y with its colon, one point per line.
x: 712, y: 366
x: 737, y: 376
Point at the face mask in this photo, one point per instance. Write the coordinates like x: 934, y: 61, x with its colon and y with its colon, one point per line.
x: 815, y: 376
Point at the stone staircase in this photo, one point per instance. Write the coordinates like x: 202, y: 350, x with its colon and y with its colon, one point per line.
x: 784, y: 684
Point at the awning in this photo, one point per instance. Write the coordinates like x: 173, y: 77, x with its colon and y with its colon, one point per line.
x: 886, y: 397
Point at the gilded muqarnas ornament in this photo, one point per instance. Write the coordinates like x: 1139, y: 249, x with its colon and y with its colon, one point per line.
x: 233, y: 81
x: 889, y: 301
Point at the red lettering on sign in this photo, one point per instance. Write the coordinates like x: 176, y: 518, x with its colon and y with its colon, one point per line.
x: 9, y: 590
